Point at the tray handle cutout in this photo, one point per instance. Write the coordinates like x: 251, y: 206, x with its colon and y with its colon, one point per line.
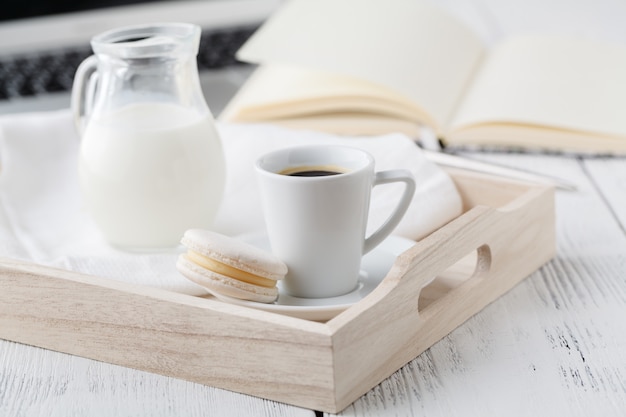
x: 473, y: 266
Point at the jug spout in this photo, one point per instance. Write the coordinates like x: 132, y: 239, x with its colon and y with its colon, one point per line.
x: 144, y: 41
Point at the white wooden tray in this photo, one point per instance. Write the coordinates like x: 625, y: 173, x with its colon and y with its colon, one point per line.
x: 507, y: 231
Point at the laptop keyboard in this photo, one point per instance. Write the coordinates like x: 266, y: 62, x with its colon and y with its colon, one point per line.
x: 53, y: 71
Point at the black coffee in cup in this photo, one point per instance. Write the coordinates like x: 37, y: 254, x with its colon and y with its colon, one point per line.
x: 313, y: 171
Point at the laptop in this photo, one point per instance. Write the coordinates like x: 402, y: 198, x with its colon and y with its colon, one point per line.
x: 42, y: 42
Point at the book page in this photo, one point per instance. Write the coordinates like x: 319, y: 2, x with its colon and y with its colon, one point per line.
x: 410, y: 47
x: 553, y: 82
x: 279, y: 92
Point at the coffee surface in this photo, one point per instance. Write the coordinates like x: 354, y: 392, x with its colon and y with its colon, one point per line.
x: 313, y: 171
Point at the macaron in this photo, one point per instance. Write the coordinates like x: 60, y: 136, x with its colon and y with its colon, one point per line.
x: 226, y: 266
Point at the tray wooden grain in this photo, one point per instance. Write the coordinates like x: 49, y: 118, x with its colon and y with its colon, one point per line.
x: 507, y: 231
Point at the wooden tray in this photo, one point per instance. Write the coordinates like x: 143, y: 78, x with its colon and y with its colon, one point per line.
x: 507, y: 231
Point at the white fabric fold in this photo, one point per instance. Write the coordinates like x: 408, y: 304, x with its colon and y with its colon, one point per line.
x: 42, y: 217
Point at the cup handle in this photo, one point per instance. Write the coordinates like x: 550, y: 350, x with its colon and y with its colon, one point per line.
x: 385, y: 177
x: 82, y: 99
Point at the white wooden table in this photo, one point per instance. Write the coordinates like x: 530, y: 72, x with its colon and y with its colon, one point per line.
x: 554, y: 345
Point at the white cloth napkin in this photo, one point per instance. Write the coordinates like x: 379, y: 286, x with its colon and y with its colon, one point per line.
x: 42, y: 217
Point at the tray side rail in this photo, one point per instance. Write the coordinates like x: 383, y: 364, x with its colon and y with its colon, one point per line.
x: 200, y: 340
x: 376, y: 337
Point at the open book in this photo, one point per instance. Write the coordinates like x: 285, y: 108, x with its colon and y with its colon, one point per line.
x: 372, y: 67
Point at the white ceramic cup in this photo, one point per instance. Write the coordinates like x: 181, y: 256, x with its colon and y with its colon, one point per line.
x: 317, y: 224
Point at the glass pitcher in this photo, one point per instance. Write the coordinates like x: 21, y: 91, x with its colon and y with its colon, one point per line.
x: 151, y: 164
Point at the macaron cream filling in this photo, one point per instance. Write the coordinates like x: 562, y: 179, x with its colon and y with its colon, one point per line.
x: 227, y: 270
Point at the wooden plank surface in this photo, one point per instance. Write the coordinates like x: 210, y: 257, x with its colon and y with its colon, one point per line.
x: 608, y: 176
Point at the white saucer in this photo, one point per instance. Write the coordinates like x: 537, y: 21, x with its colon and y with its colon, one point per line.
x: 374, y: 268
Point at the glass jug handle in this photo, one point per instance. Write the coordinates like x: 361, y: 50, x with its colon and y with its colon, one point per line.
x: 82, y: 98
